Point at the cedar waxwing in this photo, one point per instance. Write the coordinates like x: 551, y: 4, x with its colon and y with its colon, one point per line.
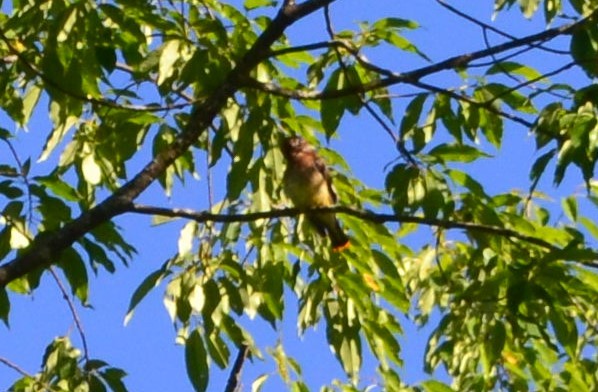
x: 308, y: 184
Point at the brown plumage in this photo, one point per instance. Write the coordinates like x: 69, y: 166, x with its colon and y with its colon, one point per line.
x: 308, y: 184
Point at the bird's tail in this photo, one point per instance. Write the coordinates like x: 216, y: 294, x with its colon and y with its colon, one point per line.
x: 340, y: 241
x: 328, y: 225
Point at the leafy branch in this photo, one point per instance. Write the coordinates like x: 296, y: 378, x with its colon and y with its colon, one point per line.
x: 150, y: 108
x: 46, y: 249
x: 205, y: 216
x: 409, y: 77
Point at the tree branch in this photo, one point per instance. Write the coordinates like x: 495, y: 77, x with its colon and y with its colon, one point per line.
x: 234, y: 377
x: 205, y: 216
x: 46, y: 248
x: 416, y: 74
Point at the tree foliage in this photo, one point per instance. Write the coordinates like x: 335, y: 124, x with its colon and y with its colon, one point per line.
x: 507, y: 280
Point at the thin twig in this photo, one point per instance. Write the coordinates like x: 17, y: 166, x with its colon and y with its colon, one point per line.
x: 24, y: 373
x: 485, y: 105
x: 234, y: 378
x: 23, y: 175
x: 409, y: 77
x: 486, y: 26
x: 73, y: 310
x: 15, y: 367
x: 532, y: 81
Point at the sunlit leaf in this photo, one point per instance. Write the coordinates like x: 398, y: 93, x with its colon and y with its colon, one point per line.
x: 252, y: 4
x: 457, y: 153
x: 436, y: 386
x: 513, y: 68
x: 91, y: 170
x: 168, y: 57
x: 570, y: 208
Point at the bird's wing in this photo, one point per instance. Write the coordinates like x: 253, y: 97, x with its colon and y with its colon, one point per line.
x: 323, y: 169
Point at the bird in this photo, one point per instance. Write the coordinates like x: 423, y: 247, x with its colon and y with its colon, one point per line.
x: 308, y: 184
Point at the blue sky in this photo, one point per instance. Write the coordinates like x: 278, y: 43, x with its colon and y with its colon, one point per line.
x: 146, y: 347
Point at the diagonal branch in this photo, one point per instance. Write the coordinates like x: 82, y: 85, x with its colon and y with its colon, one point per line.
x: 234, y: 378
x: 46, y: 248
x: 415, y: 75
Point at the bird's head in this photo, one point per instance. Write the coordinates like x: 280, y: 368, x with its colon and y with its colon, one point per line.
x: 293, y: 145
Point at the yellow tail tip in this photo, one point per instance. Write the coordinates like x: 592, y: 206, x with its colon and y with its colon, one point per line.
x: 341, y: 247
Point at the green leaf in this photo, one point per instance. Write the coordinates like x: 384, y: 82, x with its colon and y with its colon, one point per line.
x: 91, y: 170
x: 63, y: 123
x: 513, y: 68
x: 54, y: 211
x: 332, y: 110
x: 584, y: 48
x: 218, y: 350
x: 196, y: 360
x: 394, y: 23
x: 271, y: 286
x: 97, y: 256
x: 243, y: 149
x: 457, y: 153
x: 5, y: 134
x: 108, y: 236
x: 150, y: 281
x: 529, y: 7
x: 113, y: 377
x: 465, y: 180
x: 565, y: 330
x: 4, y: 306
x: 540, y: 164
x: 343, y: 336
x: 8, y: 171
x: 551, y: 9
x: 436, y: 386
x: 59, y: 187
x: 388, y: 29
x: 514, y: 99
x: 30, y: 100
x: 258, y: 384
x: 570, y: 208
x: 412, y: 113
x: 169, y: 55
x: 493, y: 345
x: 590, y: 226
x: 75, y: 272
x: 253, y: 4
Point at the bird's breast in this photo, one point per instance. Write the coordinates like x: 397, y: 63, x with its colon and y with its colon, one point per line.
x: 307, y: 188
